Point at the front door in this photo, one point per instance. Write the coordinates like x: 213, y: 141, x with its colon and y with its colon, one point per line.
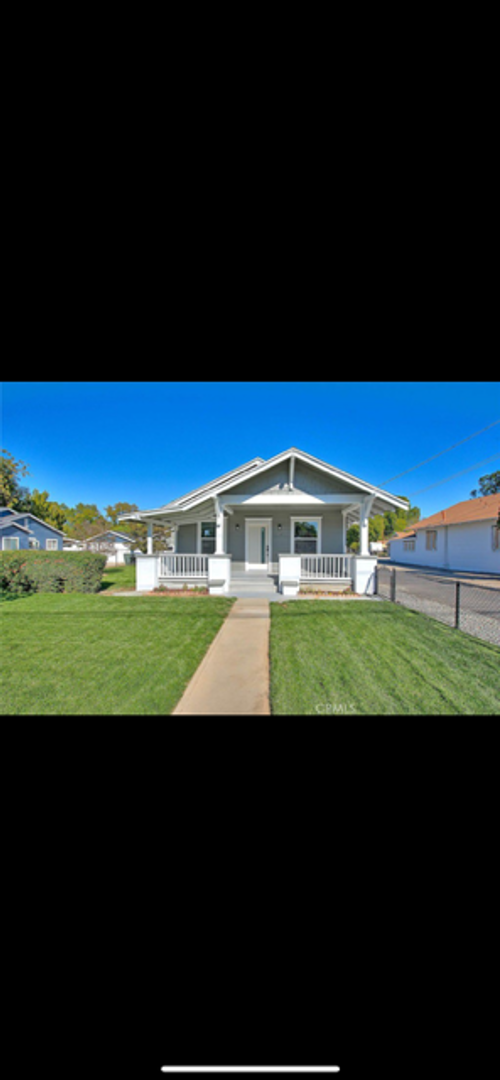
x: 257, y: 557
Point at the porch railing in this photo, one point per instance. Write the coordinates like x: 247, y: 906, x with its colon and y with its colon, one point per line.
x: 333, y: 567
x: 183, y: 566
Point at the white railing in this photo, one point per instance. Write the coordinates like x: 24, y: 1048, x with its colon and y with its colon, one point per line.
x: 183, y: 566
x: 334, y: 567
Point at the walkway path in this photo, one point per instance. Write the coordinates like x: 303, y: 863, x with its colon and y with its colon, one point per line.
x: 233, y: 676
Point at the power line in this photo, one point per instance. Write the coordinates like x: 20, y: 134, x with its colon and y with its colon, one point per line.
x: 445, y: 481
x: 441, y: 452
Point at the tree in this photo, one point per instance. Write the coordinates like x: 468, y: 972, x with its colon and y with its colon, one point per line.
x: 113, y: 512
x: 11, y: 492
x: 85, y: 520
x: 399, y: 520
x: 488, y: 485
x: 40, y: 504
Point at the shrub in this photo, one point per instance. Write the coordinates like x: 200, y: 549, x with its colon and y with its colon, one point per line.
x: 23, y: 572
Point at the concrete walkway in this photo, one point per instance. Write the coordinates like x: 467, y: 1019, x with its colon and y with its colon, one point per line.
x: 233, y: 677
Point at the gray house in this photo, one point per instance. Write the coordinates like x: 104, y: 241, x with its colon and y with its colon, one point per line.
x: 20, y: 531
x: 285, y: 518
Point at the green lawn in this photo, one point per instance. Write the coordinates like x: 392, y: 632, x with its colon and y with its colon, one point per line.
x: 119, y: 577
x: 347, y: 657
x: 75, y: 653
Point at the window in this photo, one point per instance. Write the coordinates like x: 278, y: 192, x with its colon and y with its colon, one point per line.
x: 10, y: 543
x: 207, y: 537
x: 409, y: 545
x: 306, y: 536
x: 495, y: 538
x: 51, y: 545
x: 431, y: 540
x: 33, y: 542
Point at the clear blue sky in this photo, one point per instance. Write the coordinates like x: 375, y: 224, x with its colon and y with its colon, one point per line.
x: 148, y: 442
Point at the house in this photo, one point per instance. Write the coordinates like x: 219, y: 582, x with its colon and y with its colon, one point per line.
x: 465, y: 536
x: 111, y: 543
x: 22, y: 530
x: 286, y: 517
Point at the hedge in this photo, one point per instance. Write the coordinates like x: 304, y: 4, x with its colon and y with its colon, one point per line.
x: 23, y: 572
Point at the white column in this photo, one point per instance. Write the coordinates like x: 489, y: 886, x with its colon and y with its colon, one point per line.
x: 219, y: 528
x: 150, y: 538
x: 364, y: 517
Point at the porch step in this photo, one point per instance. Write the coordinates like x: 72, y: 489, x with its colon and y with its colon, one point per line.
x: 253, y: 585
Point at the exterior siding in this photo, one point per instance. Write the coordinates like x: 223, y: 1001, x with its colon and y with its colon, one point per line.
x: 306, y: 479
x: 41, y: 532
x: 12, y: 531
x: 466, y: 547
x: 186, y: 539
x: 281, y: 543
x: 315, y: 482
x: 273, y: 480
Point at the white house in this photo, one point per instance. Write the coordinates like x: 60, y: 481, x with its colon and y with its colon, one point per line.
x: 111, y: 543
x: 465, y: 536
x: 286, y: 517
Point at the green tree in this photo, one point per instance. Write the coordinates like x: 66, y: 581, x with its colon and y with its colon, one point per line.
x: 352, y: 538
x: 40, y: 504
x: 11, y: 492
x: 113, y: 512
x: 85, y: 520
x: 399, y: 520
x: 488, y: 485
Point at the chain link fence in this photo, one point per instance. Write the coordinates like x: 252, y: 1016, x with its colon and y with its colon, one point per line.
x: 461, y: 604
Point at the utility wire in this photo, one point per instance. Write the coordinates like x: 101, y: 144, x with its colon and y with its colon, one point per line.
x: 445, y: 481
x: 441, y: 452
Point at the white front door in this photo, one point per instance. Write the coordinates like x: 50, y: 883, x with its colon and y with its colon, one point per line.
x: 257, y: 545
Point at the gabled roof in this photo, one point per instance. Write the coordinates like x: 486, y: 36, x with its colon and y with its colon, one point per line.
x: 197, y: 494
x: 16, y: 514
x: 255, y: 467
x: 110, y: 532
x: 485, y: 508
x: 9, y: 523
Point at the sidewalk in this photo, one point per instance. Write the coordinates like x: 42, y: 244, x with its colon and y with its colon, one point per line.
x: 233, y: 676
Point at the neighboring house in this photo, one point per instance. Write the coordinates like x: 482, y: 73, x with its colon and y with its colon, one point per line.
x: 22, y: 531
x: 292, y: 505
x: 111, y: 543
x: 70, y: 544
x: 465, y: 536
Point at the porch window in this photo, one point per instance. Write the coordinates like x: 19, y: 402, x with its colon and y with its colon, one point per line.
x: 207, y: 537
x: 306, y: 536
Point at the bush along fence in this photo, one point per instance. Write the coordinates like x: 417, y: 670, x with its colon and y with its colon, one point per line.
x: 463, y: 605
x: 24, y: 572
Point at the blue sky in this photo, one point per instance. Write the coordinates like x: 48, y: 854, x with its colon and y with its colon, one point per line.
x: 147, y: 442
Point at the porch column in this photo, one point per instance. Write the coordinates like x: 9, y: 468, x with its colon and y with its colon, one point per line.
x: 364, y: 517
x: 150, y: 538
x: 219, y: 527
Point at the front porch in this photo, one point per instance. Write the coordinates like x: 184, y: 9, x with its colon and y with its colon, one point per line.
x: 222, y: 575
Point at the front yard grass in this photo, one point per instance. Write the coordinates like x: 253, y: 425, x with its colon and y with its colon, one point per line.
x: 347, y: 657
x: 75, y: 653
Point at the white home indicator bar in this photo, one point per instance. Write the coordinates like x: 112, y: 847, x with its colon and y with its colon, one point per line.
x: 250, y: 1068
